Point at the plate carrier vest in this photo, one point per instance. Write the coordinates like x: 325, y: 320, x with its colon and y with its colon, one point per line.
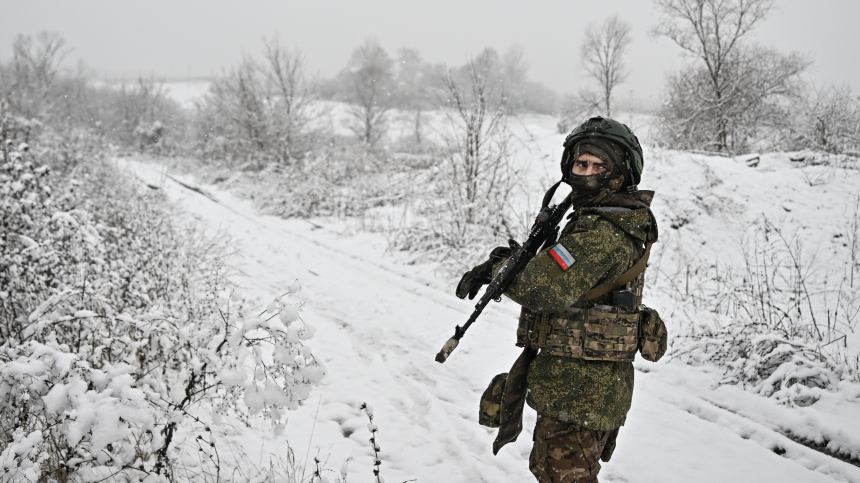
x: 599, y: 333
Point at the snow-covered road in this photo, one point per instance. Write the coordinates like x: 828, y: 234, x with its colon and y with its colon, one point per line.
x: 379, y: 325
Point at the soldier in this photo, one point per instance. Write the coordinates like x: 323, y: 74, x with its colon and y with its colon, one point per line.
x: 584, y: 333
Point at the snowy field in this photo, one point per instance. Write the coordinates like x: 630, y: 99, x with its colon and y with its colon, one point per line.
x: 381, y: 321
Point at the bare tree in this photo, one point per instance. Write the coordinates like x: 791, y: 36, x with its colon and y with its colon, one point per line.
x: 29, y: 81
x: 515, y: 71
x: 711, y: 30
x: 137, y: 113
x: 413, y: 85
x: 292, y: 100
x: 260, y: 111
x: 479, y: 174
x: 371, y: 78
x: 757, y: 90
x: 601, y: 56
x: 832, y: 120
x: 233, y: 119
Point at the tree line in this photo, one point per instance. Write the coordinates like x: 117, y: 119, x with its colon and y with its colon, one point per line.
x: 732, y: 96
x: 740, y: 95
x: 270, y: 104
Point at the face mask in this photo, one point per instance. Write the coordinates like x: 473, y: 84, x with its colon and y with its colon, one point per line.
x: 589, y: 183
x: 588, y: 190
x: 609, y: 180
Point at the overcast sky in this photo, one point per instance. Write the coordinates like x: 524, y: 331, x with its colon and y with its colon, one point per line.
x: 178, y: 38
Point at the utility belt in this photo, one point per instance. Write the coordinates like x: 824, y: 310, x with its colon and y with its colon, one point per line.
x: 601, y: 333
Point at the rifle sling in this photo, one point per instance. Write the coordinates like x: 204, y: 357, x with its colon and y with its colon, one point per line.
x: 624, y: 279
x: 549, y: 194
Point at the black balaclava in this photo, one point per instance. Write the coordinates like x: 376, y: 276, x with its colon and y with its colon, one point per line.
x: 588, y: 190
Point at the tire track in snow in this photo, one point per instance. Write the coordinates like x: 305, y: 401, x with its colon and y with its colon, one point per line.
x: 749, y: 429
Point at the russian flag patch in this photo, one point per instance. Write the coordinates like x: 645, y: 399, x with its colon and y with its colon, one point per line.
x: 562, y: 256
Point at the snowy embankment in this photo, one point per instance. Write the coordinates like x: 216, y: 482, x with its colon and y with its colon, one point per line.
x: 380, y: 323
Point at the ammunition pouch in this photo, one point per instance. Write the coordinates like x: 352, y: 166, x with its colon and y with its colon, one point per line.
x: 489, y: 411
x: 652, y: 335
x: 601, y: 333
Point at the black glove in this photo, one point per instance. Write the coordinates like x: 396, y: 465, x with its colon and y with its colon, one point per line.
x: 482, y: 274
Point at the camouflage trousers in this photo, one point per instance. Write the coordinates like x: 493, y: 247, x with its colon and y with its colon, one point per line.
x: 567, y: 453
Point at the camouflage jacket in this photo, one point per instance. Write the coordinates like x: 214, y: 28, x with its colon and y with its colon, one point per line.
x: 604, y: 242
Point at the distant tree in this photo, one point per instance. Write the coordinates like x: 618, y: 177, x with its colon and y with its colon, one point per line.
x: 758, y: 90
x: 292, y: 99
x: 577, y: 107
x: 514, y: 70
x: 239, y: 101
x: 370, y: 72
x: 831, y: 120
x: 521, y: 93
x: 712, y: 31
x: 601, y: 56
x: 479, y: 173
x: 29, y: 81
x: 137, y: 113
x: 413, y: 80
x: 260, y: 111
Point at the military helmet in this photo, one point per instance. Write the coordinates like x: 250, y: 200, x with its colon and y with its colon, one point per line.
x: 610, y: 130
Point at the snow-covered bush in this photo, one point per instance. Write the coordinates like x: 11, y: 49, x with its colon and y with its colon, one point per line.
x: 829, y: 121
x: 121, y: 341
x: 36, y: 86
x: 341, y: 181
x: 776, y: 319
x: 265, y: 362
x: 259, y: 112
x: 466, y: 200
x: 792, y: 371
x: 63, y: 420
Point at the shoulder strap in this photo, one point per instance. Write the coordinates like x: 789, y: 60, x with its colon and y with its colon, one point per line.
x: 549, y: 194
x: 624, y: 279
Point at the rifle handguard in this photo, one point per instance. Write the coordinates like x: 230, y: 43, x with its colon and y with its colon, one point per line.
x: 544, y: 229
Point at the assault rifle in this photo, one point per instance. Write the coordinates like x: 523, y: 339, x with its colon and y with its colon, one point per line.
x: 543, y: 233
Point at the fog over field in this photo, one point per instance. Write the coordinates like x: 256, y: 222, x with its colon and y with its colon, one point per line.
x: 178, y: 40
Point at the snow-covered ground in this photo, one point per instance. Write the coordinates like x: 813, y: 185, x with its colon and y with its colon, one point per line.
x: 380, y: 323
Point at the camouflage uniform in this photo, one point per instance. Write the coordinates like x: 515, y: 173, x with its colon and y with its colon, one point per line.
x: 580, y: 403
x: 565, y: 452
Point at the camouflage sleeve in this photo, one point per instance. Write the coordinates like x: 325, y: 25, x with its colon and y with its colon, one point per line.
x: 544, y: 286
